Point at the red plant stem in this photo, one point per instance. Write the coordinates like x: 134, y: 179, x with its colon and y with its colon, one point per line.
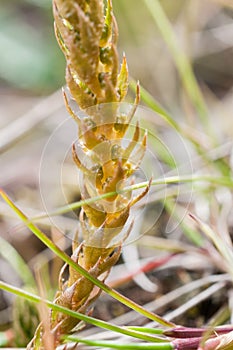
x: 151, y: 265
x: 186, y: 332
x: 186, y: 344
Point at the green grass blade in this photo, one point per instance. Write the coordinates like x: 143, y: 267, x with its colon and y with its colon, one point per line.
x: 4, y: 341
x: 10, y: 254
x: 116, y: 345
x: 150, y: 101
x: 43, y: 238
x: 182, y: 63
x: 192, y: 234
x: 220, y: 180
x: 91, y: 320
x: 223, y: 248
x: 147, y: 330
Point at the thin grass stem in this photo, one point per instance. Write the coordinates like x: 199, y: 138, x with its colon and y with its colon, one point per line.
x: 91, y: 320
x: 43, y: 238
x: 172, y: 180
x: 114, y: 345
x: 182, y: 63
x: 9, y: 253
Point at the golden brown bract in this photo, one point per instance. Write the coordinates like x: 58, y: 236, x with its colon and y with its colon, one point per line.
x: 87, y: 34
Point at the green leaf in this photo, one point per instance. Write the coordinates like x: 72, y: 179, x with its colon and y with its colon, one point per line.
x: 10, y: 254
x: 182, y: 63
x: 116, y: 345
x: 91, y: 320
x: 43, y: 238
x: 4, y: 341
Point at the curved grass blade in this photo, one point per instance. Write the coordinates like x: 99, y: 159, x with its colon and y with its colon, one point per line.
x: 113, y: 293
x: 10, y: 254
x: 220, y: 180
x: 182, y: 63
x: 218, y: 241
x: 114, y: 345
x: 147, y: 330
x: 91, y: 320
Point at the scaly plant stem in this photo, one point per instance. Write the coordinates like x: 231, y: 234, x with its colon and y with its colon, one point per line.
x: 113, y: 293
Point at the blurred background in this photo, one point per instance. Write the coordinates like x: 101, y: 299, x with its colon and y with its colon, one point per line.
x: 33, y: 127
x: 31, y: 64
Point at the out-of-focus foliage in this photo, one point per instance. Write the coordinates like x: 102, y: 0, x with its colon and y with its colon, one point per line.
x: 204, y: 31
x: 29, y: 56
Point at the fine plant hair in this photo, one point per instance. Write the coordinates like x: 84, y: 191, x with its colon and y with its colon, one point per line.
x: 87, y: 34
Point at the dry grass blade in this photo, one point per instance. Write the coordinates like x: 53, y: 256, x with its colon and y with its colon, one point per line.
x: 30, y: 120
